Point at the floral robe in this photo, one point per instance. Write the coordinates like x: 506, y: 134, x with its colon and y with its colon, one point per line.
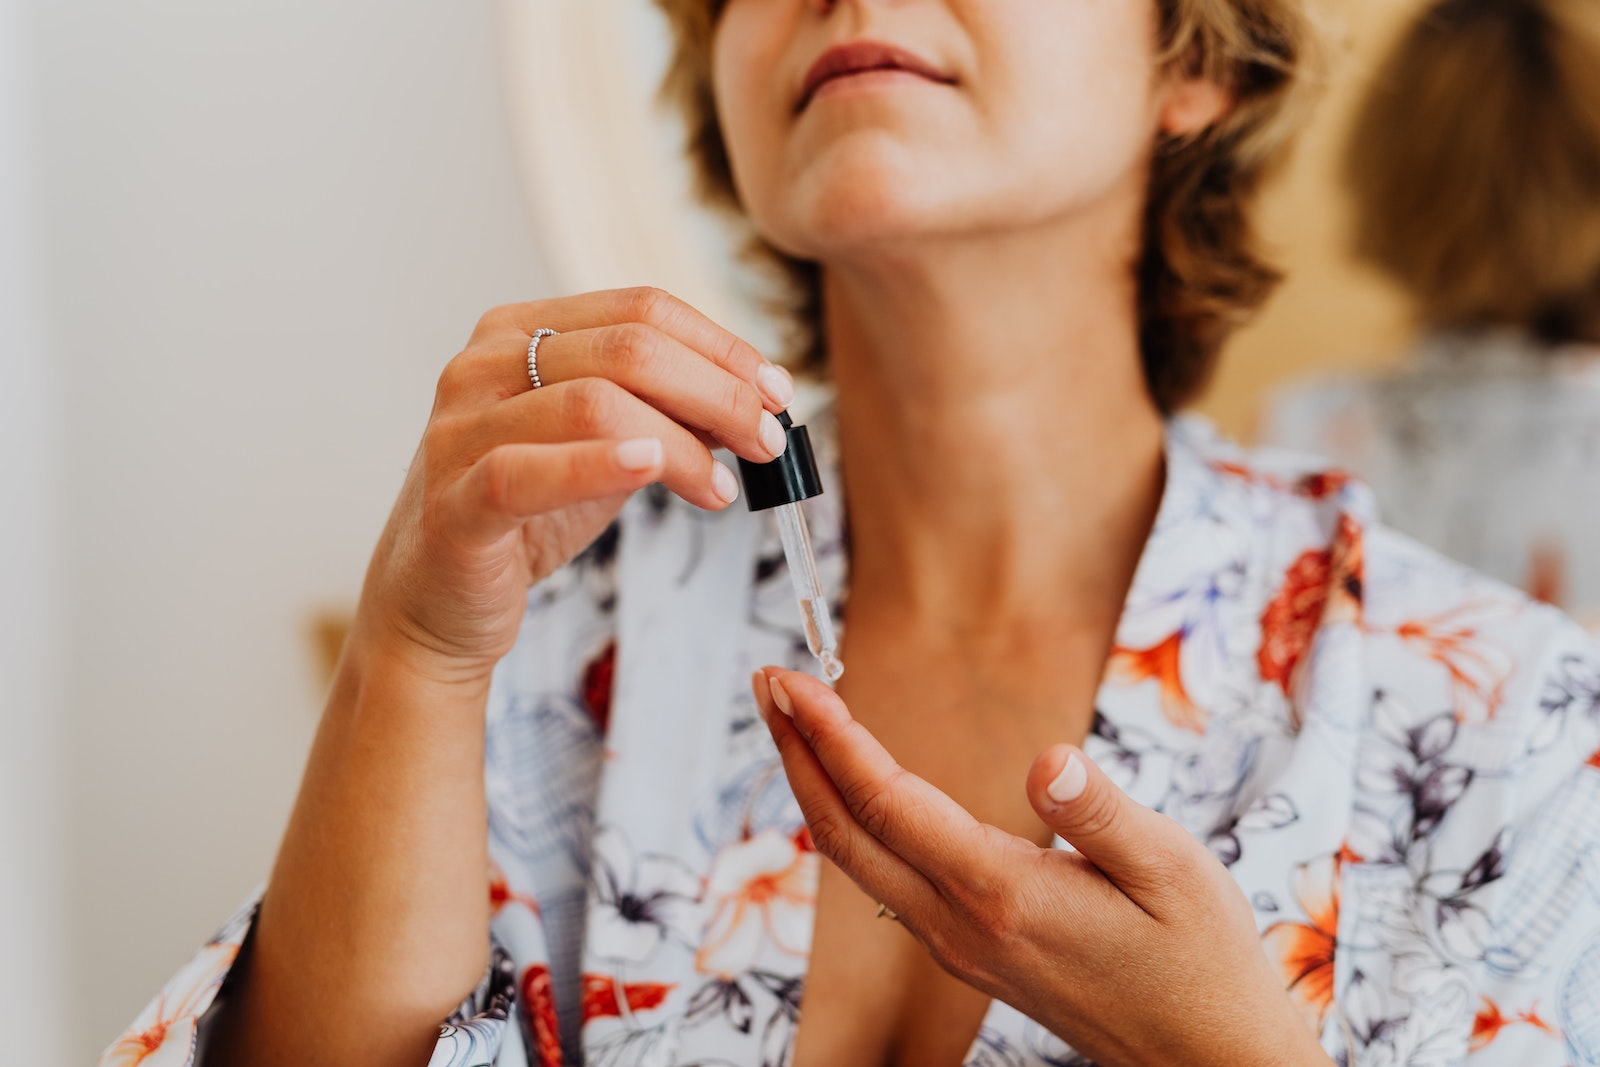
x: 1398, y: 761
x: 1484, y: 444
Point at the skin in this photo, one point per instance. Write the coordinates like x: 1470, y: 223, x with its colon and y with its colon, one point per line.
x: 377, y: 910
x: 976, y: 239
x: 982, y: 329
x: 1140, y: 910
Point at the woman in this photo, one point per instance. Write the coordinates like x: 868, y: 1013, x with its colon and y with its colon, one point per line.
x: 1483, y: 204
x: 1354, y: 773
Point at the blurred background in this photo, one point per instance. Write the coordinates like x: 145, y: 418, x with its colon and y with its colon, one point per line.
x: 237, y: 244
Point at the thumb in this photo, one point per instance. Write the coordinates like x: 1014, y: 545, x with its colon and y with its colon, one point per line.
x: 1143, y: 853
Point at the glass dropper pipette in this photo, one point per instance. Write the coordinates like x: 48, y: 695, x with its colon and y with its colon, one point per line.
x: 820, y: 638
x: 780, y: 486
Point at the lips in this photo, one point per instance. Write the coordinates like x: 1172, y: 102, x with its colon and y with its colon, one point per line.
x: 859, y: 57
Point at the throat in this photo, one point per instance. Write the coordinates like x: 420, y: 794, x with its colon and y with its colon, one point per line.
x: 952, y: 524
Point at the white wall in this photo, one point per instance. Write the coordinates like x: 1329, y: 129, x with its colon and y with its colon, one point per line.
x: 265, y: 228
x: 31, y: 849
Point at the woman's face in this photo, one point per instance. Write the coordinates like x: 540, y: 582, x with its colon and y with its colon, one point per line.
x: 998, y: 114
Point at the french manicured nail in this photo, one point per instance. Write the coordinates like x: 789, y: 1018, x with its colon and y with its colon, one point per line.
x: 639, y: 454
x: 723, y: 483
x: 775, y: 382
x: 780, y: 697
x: 773, y: 439
x: 1068, y: 785
x: 756, y: 678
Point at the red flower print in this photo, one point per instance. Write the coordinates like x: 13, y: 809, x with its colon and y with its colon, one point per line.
x: 1316, y: 485
x: 1304, y: 951
x: 1488, y: 1023
x: 1322, y: 586
x: 1478, y: 668
x: 1594, y: 760
x: 1348, y: 580
x: 163, y: 1034
x: 1321, y: 484
x: 142, y: 1048
x: 764, y: 890
x: 539, y: 1008
x: 598, y: 678
x: 600, y: 996
x: 501, y: 893
x: 1290, y: 619
x: 1161, y: 662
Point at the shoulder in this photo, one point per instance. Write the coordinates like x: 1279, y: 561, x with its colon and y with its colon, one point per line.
x: 1430, y: 632
x: 1484, y: 700
x: 1299, y: 502
x: 1452, y: 682
x: 1440, y: 637
x: 1293, y: 514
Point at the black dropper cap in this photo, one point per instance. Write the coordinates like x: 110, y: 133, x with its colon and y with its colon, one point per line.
x: 790, y: 478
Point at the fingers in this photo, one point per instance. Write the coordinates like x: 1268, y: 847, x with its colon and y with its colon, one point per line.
x: 673, y: 378
x: 916, y: 821
x: 594, y: 408
x: 514, y: 482
x: 648, y: 307
x: 1146, y: 855
x: 834, y: 830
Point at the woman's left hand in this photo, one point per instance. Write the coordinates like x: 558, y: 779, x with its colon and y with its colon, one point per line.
x: 1138, y: 948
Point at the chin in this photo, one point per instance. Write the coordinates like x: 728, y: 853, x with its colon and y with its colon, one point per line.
x: 865, y: 195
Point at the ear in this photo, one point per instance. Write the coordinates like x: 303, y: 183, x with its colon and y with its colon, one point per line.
x: 1192, y: 104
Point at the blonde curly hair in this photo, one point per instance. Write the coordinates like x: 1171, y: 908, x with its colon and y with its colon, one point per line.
x: 1200, y: 275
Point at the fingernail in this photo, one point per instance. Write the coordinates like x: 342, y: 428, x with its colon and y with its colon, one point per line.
x: 724, y: 484
x: 755, y: 687
x: 780, y: 697
x: 639, y: 454
x: 1068, y: 785
x: 773, y: 439
x: 775, y: 382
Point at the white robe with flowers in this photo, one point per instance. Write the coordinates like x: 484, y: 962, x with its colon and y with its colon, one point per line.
x: 1398, y: 761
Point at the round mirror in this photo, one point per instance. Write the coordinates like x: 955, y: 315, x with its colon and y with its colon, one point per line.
x: 602, y: 165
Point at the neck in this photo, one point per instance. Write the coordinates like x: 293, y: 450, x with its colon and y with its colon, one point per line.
x: 1002, y: 458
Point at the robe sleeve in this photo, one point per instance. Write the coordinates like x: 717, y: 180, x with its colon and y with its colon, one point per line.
x: 1538, y: 1000
x: 1538, y: 993
x: 173, y: 1028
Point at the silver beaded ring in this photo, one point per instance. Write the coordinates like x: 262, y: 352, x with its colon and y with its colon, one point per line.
x: 533, y: 355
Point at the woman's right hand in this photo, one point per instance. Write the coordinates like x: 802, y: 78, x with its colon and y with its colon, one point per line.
x: 511, y: 482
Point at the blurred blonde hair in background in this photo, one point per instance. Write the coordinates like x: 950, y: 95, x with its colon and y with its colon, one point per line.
x: 1475, y: 166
